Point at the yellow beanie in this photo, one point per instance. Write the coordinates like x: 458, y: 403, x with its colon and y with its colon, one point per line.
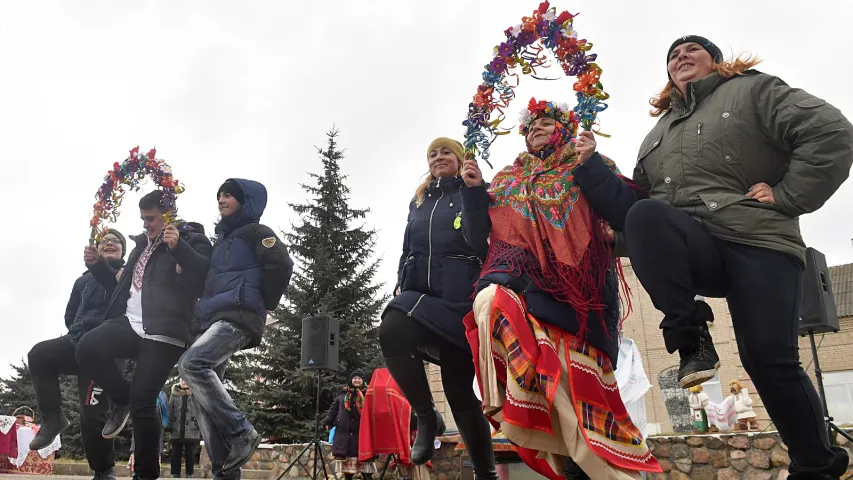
x: 450, y: 143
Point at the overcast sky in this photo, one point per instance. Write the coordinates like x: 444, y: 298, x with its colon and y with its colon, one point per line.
x: 248, y: 88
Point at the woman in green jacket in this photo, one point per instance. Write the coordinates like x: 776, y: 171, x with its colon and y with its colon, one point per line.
x: 736, y: 157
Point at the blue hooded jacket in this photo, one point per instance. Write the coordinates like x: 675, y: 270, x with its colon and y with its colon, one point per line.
x: 249, y: 267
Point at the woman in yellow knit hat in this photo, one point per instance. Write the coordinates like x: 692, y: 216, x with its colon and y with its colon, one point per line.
x: 434, y: 292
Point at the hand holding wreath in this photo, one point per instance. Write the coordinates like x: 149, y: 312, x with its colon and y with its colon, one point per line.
x: 586, y: 146
x: 171, y: 237
x: 91, y: 255
x: 471, y: 174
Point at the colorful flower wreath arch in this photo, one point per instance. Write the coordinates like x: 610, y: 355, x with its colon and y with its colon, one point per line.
x: 132, y: 174
x: 524, y: 47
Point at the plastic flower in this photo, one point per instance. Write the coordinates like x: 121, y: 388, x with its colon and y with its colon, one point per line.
x: 543, y: 28
x: 526, y: 38
x: 498, y: 65
x: 505, y: 49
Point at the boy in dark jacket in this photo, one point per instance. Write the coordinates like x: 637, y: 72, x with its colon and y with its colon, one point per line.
x: 249, y: 272
x: 49, y: 359
x: 149, y: 317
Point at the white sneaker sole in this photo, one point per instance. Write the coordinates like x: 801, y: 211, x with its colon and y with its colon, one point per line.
x: 698, y: 378
x: 118, y: 430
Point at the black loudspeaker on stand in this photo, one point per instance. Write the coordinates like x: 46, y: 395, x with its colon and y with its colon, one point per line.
x: 319, y: 352
x: 818, y: 315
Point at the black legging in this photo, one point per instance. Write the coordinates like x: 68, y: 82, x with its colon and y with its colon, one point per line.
x: 675, y: 258
x: 400, y: 334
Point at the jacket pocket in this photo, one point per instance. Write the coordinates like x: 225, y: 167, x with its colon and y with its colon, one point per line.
x: 241, y: 293
x: 816, y: 112
x: 414, y: 274
x: 459, y: 273
x: 718, y: 138
x: 718, y: 201
x: 648, y: 160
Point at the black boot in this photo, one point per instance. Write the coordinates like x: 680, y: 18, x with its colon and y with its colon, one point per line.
x: 52, y: 425
x: 574, y: 472
x: 834, y: 472
x: 475, y: 431
x: 409, y: 374
x: 699, y: 364
x: 108, y: 474
x: 842, y: 460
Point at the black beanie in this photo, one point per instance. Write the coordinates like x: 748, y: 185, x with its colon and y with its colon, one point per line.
x: 356, y: 373
x: 233, y: 188
x: 708, y: 45
x: 121, y: 240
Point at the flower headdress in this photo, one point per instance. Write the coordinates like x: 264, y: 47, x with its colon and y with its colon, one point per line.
x: 560, y: 112
x: 132, y: 174
x: 523, y: 47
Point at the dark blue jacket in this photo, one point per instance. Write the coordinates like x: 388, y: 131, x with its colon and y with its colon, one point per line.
x: 88, y: 303
x: 438, y: 268
x: 249, y: 268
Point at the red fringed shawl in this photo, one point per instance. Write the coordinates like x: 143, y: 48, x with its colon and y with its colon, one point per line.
x: 385, y: 420
x: 542, y: 227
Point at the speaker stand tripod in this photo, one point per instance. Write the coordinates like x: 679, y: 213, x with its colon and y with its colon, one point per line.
x: 831, y: 428
x: 315, y: 446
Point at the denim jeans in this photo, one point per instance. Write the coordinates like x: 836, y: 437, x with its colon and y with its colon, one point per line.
x: 202, y: 367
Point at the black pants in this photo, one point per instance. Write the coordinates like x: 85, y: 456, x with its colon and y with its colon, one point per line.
x: 187, y: 449
x: 400, y: 334
x: 48, y: 360
x: 676, y: 259
x: 154, y: 362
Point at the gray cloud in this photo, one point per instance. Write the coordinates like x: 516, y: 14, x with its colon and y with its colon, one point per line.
x: 248, y: 88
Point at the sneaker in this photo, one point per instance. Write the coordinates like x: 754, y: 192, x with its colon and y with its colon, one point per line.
x: 108, y: 474
x: 53, y: 425
x: 700, y: 365
x: 116, y: 421
x: 241, y: 453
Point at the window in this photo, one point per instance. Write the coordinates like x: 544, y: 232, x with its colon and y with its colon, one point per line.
x: 839, y: 395
x: 714, y: 390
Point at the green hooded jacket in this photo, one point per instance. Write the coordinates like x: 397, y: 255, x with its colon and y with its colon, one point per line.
x: 729, y: 134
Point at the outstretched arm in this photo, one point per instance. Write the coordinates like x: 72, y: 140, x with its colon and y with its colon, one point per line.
x: 193, y: 256
x: 476, y: 224
x: 609, y: 194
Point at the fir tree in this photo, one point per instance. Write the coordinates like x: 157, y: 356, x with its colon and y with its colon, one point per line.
x: 333, y: 275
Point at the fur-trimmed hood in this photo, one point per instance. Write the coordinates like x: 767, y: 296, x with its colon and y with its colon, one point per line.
x: 178, y: 390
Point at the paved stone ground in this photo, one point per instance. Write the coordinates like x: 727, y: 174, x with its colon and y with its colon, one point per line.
x: 5, y: 476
